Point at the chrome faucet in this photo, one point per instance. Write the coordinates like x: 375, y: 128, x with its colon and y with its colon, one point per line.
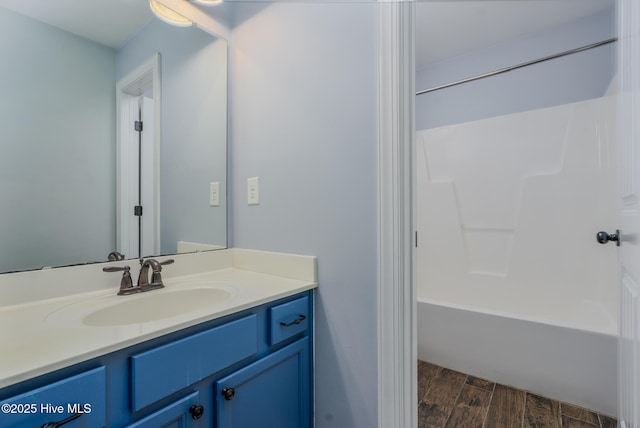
x: 126, y: 284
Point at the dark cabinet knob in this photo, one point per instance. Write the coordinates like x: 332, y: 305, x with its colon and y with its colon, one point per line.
x: 196, y: 411
x: 228, y: 393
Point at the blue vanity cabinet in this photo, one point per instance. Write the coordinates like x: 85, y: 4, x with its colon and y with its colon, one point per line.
x: 263, y: 354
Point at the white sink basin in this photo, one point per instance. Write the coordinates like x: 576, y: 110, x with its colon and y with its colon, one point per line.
x: 195, y: 299
x: 155, y: 305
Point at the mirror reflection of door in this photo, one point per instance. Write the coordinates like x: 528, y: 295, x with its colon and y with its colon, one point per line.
x: 141, y: 231
x: 138, y: 160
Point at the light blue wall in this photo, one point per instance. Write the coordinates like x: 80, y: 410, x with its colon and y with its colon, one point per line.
x: 57, y: 162
x: 572, y: 78
x: 194, y: 128
x: 304, y: 120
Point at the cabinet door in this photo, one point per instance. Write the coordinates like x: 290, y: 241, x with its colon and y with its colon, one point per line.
x: 82, y: 394
x: 273, y: 392
x: 176, y: 415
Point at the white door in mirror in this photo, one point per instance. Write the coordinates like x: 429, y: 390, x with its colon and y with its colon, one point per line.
x: 253, y: 191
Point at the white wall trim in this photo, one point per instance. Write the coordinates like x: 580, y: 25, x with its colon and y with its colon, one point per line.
x: 397, y: 343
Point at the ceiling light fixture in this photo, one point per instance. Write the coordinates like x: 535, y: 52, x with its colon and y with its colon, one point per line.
x: 208, y: 2
x: 169, y: 16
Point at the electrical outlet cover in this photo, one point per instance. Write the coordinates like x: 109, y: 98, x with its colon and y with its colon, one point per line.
x: 253, y: 191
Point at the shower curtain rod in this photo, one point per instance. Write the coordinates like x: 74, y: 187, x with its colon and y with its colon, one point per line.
x: 515, y: 67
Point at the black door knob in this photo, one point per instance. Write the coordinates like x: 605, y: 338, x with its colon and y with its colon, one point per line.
x: 196, y: 411
x: 604, y: 237
x: 228, y: 393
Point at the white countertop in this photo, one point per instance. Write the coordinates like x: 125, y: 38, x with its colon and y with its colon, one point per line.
x: 40, y: 336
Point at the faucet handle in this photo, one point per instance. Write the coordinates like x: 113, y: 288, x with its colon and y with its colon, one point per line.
x: 116, y: 269
x: 153, y: 262
x: 156, y: 276
x: 126, y: 283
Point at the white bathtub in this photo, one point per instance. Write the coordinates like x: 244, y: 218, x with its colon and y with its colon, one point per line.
x: 512, y: 284
x: 563, y: 362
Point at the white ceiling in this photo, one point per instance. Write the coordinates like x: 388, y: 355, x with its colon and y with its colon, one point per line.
x: 108, y: 22
x: 445, y: 29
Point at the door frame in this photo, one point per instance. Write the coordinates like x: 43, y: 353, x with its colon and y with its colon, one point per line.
x: 628, y: 20
x: 145, y: 77
x: 397, y: 298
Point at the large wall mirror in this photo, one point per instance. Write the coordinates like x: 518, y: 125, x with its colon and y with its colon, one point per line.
x: 65, y: 178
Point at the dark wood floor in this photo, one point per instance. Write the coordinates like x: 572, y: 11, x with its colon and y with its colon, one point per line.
x: 447, y: 398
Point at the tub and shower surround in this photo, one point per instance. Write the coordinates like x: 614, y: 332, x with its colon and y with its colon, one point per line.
x: 512, y: 284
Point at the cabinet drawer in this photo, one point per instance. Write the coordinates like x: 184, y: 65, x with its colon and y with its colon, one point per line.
x: 158, y: 373
x: 83, y: 393
x: 288, y: 319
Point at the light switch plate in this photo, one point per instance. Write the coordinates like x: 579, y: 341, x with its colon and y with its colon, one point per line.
x: 253, y: 191
x: 214, y: 194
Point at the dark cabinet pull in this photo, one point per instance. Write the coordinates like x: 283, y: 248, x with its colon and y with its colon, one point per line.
x: 296, y: 321
x: 196, y: 411
x: 62, y: 422
x: 228, y: 393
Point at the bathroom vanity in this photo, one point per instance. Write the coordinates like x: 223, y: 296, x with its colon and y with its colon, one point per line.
x: 243, y: 359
